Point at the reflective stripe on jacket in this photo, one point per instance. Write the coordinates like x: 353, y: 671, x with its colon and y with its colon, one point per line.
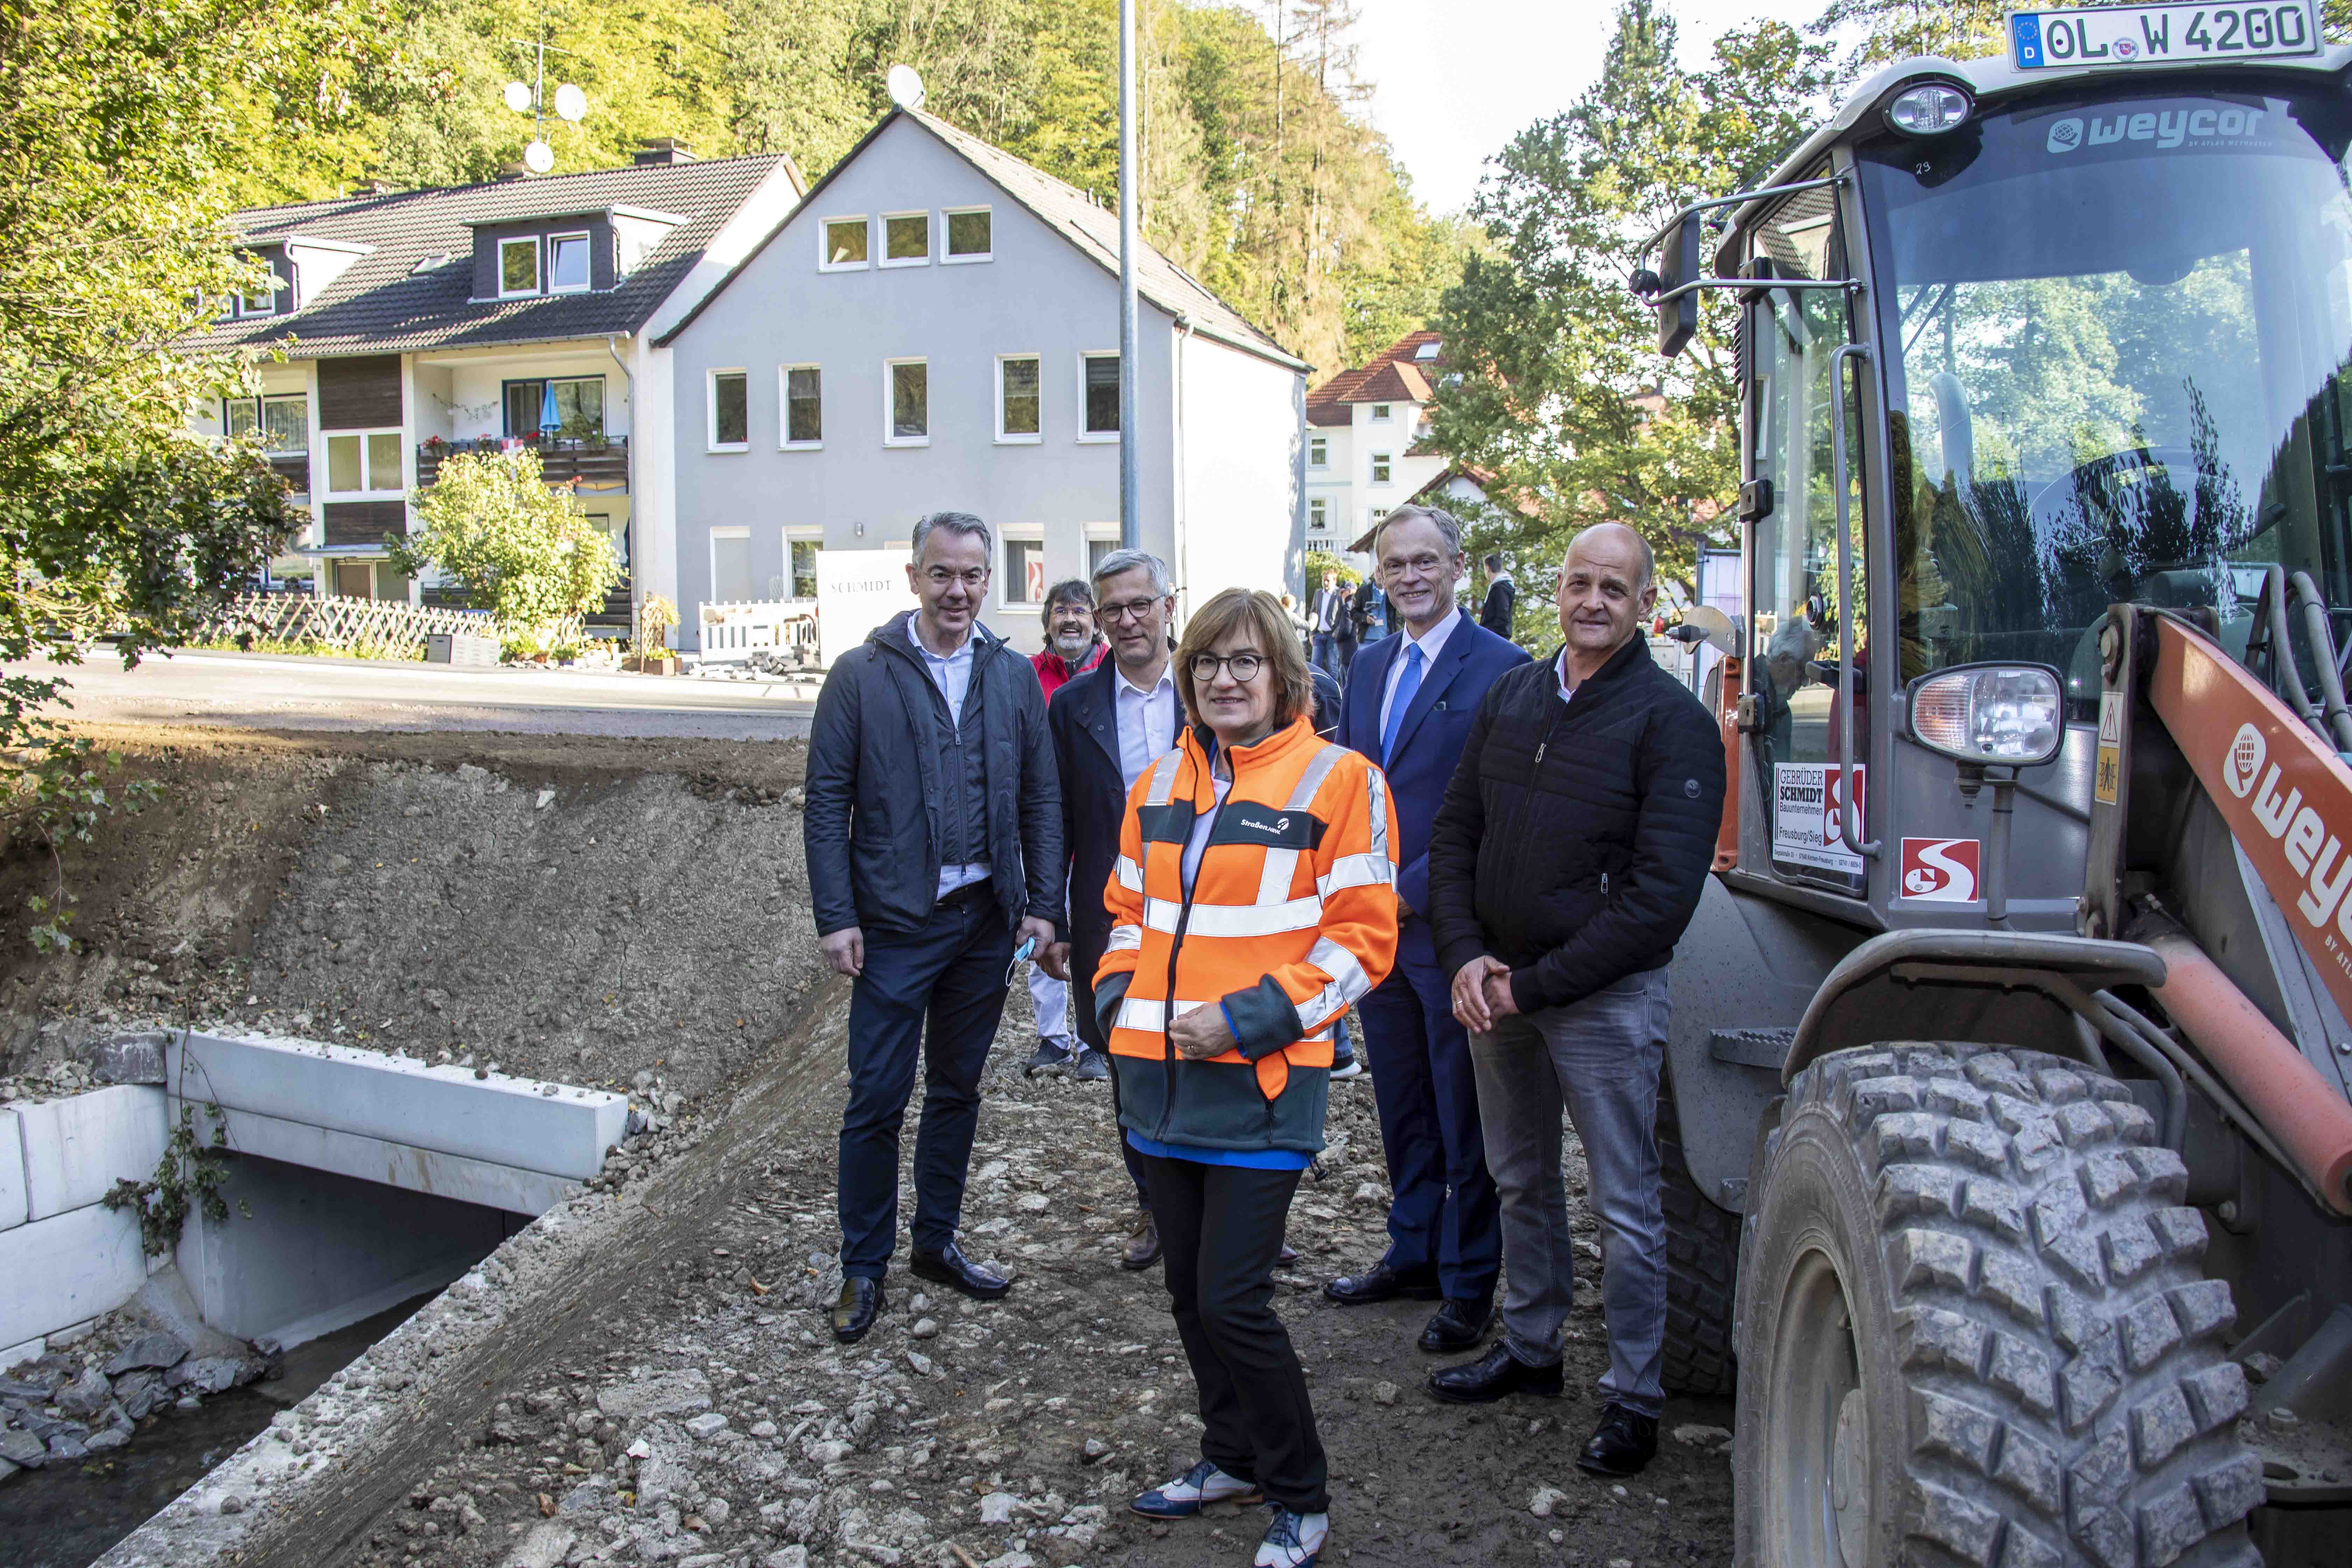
x: 1291, y: 919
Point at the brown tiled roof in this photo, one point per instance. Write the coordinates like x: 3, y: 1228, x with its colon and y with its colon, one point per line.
x: 1093, y: 229
x: 1394, y: 377
x: 384, y: 302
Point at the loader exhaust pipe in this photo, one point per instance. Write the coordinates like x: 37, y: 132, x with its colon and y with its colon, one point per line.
x: 2303, y: 1111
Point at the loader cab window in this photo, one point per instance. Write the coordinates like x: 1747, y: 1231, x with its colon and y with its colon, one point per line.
x: 2123, y: 322
x: 1790, y: 338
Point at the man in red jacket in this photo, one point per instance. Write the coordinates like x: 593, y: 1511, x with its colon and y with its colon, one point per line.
x: 1071, y: 648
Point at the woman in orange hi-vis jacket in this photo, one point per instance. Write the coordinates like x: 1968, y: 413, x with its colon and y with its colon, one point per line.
x: 1252, y: 904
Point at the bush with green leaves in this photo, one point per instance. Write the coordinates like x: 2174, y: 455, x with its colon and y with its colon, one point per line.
x: 515, y: 546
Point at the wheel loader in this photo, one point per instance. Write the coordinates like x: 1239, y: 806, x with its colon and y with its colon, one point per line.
x: 2008, y: 1113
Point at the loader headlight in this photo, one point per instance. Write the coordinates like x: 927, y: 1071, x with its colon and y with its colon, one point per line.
x: 1930, y: 109
x: 2006, y: 714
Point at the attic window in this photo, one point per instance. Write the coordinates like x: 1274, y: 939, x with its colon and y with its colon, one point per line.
x: 842, y: 244
x: 1427, y: 351
x: 428, y: 263
x: 1379, y: 411
x: 968, y: 234
x: 567, y: 263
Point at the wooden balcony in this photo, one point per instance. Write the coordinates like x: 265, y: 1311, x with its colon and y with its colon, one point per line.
x: 295, y: 470
x: 599, y: 464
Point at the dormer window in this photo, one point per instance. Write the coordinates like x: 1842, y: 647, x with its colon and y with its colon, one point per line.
x: 517, y: 267
x: 1427, y: 351
x: 567, y: 263
x: 261, y: 302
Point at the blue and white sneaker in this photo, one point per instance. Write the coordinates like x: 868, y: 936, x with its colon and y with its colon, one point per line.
x: 1293, y: 1539
x: 1193, y: 1490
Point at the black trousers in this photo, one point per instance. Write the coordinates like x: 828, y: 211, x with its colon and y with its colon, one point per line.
x: 1221, y: 1228
x: 933, y: 996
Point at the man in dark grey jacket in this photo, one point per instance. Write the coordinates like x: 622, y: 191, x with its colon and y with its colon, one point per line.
x: 934, y: 836
x: 1567, y: 858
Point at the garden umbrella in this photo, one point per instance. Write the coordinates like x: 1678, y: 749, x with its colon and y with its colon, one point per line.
x: 549, y: 421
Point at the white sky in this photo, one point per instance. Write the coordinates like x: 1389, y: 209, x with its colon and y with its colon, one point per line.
x: 1455, y: 79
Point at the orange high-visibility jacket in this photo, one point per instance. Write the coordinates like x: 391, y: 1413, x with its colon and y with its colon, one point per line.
x: 1291, y: 919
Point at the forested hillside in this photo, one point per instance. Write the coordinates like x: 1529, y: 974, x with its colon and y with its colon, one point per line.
x: 1256, y: 176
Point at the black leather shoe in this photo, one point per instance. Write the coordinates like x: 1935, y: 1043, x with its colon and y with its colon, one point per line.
x: 1493, y: 1375
x: 1285, y: 1258
x: 1621, y: 1445
x: 950, y: 1267
x: 859, y: 1305
x: 1456, y: 1326
x: 1382, y: 1283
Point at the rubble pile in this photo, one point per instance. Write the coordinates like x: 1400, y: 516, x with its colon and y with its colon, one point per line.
x: 88, y: 1399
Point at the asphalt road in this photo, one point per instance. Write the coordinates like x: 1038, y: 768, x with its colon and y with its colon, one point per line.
x: 276, y: 692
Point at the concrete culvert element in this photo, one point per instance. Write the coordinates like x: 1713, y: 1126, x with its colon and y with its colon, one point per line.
x: 1974, y: 1326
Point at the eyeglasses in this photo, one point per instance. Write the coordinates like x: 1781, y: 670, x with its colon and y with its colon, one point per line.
x: 1133, y: 610
x: 1243, y: 666
x: 940, y: 577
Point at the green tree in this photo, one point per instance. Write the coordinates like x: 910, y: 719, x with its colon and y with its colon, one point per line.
x: 519, y: 549
x: 1562, y: 390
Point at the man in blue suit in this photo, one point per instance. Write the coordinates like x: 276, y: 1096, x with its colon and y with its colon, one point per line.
x: 1409, y: 705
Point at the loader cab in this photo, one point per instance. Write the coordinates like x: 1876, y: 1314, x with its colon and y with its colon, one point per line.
x: 2089, y: 348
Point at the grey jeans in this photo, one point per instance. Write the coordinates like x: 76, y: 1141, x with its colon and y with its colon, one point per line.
x: 1601, y: 1057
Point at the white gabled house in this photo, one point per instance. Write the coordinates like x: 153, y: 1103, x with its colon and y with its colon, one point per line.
x: 935, y: 327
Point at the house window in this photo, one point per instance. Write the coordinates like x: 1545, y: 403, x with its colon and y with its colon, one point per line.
x: 1427, y: 351
x: 570, y: 407
x: 1380, y: 412
x: 360, y: 461
x: 1318, y: 451
x: 1025, y: 571
x: 617, y: 532
x: 906, y: 412
x: 1102, y: 395
x: 517, y: 267
x: 843, y: 245
x: 803, y: 399
x: 1379, y: 468
x: 1016, y: 398
x: 239, y: 417
x: 801, y: 554
x: 286, y: 425
x: 970, y: 237
x: 1319, y: 515
x: 731, y: 565
x: 730, y: 411
x: 261, y: 302
x: 906, y: 239
x: 1096, y: 550
x: 567, y: 263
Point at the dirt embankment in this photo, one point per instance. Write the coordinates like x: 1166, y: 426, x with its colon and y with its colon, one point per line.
x: 582, y: 909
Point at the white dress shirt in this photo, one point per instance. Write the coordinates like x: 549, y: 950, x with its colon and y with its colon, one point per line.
x: 1147, y: 721
x: 952, y: 673
x: 1432, y: 643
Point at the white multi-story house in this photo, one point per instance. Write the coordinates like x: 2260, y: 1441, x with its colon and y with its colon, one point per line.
x: 1367, y: 443
x: 419, y: 323
x: 935, y: 327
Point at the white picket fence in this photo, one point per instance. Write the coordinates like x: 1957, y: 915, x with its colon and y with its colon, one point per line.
x: 732, y: 631
x: 392, y: 627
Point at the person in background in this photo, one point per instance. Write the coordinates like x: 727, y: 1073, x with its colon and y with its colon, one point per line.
x: 1071, y: 648
x: 1298, y: 621
x: 1568, y: 857
x: 1411, y: 699
x: 933, y: 832
x: 1328, y: 622
x: 1369, y: 616
x: 1252, y: 903
x: 1502, y: 598
x: 1107, y: 726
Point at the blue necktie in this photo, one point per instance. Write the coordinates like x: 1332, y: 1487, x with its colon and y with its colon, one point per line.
x: 1407, y: 684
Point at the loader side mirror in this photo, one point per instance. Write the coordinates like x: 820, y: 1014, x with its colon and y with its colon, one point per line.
x: 1678, y: 263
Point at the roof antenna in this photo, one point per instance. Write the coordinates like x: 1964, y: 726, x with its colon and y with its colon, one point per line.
x: 906, y: 85
x: 530, y: 97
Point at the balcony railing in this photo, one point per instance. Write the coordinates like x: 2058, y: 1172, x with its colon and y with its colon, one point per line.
x: 294, y: 467
x: 598, y: 463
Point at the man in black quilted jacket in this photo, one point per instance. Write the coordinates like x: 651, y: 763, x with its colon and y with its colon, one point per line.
x: 1566, y: 859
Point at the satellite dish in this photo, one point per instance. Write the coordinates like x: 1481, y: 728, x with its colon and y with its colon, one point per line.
x: 1714, y: 627
x: 518, y: 97
x: 906, y: 86
x: 538, y: 157
x: 572, y: 103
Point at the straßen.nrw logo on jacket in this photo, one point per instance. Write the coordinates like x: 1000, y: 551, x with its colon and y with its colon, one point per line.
x: 1291, y: 919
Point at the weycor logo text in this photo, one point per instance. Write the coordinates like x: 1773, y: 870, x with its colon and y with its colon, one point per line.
x: 2316, y: 853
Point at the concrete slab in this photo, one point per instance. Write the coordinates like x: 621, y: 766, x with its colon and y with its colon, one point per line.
x: 549, y: 1128
x: 397, y: 1165
x: 31, y: 1350
x: 77, y: 1148
x: 65, y: 1269
x: 14, y: 1208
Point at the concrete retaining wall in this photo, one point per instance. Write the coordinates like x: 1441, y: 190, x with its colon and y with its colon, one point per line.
x: 64, y: 1258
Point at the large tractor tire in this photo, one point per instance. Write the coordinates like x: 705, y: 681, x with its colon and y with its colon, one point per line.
x: 1974, y: 1329
x: 1702, y: 1261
